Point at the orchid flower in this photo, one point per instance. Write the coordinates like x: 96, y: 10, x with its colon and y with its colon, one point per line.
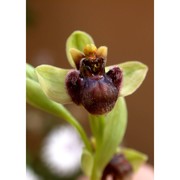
x: 90, y: 83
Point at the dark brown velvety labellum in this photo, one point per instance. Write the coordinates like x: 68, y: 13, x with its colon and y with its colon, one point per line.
x: 74, y: 84
x: 118, y: 168
x: 116, y: 76
x: 90, y: 86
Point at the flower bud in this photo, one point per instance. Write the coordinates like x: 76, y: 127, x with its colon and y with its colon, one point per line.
x: 119, y: 168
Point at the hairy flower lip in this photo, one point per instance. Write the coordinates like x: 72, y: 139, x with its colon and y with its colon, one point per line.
x: 97, y: 93
x: 90, y: 86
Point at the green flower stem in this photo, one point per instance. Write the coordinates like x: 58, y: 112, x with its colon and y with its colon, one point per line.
x: 36, y: 97
x: 64, y: 113
x: 96, y: 175
x: 97, y: 123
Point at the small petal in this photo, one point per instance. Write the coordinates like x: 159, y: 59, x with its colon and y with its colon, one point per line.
x: 102, y: 52
x: 76, y: 56
x: 134, y: 73
x: 52, y: 81
x: 78, y: 40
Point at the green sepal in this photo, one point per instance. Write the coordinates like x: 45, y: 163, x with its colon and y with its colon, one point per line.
x: 77, y: 40
x: 52, y: 80
x: 134, y: 73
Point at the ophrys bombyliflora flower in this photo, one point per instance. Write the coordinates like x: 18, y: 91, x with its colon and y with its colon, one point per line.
x: 90, y: 83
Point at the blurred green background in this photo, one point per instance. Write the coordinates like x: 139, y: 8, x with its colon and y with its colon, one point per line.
x: 127, y: 28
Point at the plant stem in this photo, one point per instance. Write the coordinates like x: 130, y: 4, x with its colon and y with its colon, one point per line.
x: 97, y: 127
x: 69, y: 118
x: 96, y: 175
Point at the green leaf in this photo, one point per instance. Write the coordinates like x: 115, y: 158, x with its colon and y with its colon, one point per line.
x: 86, y: 162
x: 135, y: 158
x: 78, y: 40
x: 134, y: 73
x: 30, y: 72
x: 114, y: 129
x: 52, y: 81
